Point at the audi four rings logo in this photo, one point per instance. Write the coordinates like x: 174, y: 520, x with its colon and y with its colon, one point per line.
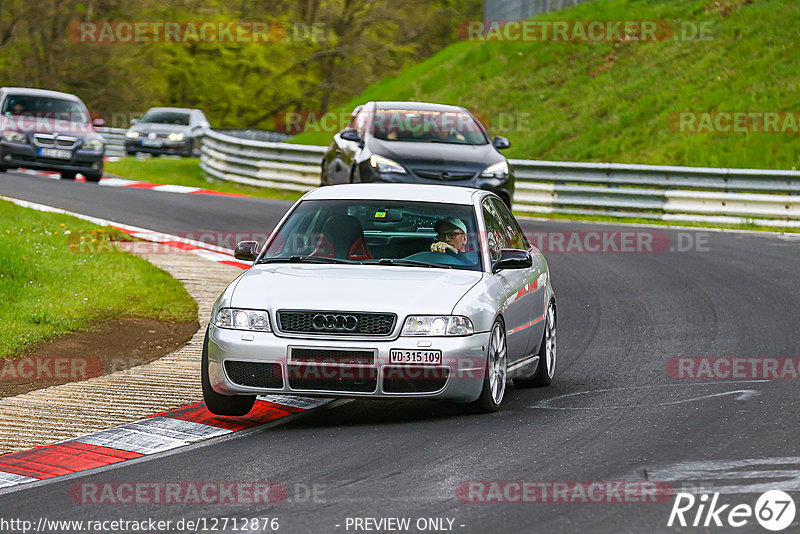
x: 337, y: 322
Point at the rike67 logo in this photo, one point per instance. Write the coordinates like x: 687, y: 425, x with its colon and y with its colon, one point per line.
x: 774, y: 510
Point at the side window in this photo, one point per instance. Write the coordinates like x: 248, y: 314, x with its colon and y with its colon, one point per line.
x: 514, y: 238
x: 495, y: 234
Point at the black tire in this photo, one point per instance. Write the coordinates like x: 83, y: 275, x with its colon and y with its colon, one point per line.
x: 93, y: 177
x: 67, y: 175
x: 3, y: 169
x: 130, y: 152
x: 218, y: 404
x: 353, y: 176
x: 323, y: 175
x: 489, y: 402
x: 189, y: 149
x: 544, y: 370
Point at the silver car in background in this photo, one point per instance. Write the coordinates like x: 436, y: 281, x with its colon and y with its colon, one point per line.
x: 348, y: 298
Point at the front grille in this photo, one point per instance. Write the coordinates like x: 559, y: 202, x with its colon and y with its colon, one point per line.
x: 328, y: 378
x: 342, y: 357
x: 443, y: 175
x: 66, y: 142
x: 397, y: 379
x: 367, y: 324
x: 44, y: 140
x: 255, y: 374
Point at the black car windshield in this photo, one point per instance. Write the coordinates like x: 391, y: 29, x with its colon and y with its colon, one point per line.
x: 377, y: 232
x: 166, y: 117
x: 427, y: 127
x: 44, y: 108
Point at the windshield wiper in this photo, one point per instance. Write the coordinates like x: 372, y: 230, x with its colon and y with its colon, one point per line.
x: 413, y: 263
x: 306, y: 259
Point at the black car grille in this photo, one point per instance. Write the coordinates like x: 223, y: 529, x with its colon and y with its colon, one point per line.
x: 367, y: 324
x: 255, y: 374
x: 342, y: 357
x: 397, y: 379
x: 333, y: 378
x: 443, y: 175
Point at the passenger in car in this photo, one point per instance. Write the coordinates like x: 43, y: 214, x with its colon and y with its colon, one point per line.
x: 451, y: 234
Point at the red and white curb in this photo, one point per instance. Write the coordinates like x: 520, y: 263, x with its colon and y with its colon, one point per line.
x: 155, y: 434
x: 210, y: 252
x: 122, y: 182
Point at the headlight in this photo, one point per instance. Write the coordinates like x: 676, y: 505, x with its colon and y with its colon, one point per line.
x: 131, y: 134
x: 176, y: 136
x: 14, y: 137
x: 95, y: 145
x: 237, y: 319
x: 498, y: 169
x: 386, y: 165
x: 437, y: 325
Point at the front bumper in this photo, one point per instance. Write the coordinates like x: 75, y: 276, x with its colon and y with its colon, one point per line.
x: 166, y: 147
x: 459, y: 378
x: 503, y: 186
x: 13, y: 155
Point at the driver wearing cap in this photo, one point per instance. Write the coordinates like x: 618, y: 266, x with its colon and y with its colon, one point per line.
x: 451, y: 234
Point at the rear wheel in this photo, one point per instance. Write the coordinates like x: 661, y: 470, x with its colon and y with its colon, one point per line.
x: 93, y: 177
x: 546, y: 368
x: 217, y: 403
x: 494, y: 380
x: 68, y: 175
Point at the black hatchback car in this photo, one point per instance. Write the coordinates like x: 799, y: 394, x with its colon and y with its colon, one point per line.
x: 421, y: 143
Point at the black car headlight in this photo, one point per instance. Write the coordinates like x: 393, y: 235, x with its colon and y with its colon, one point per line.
x: 95, y: 144
x: 14, y: 137
x: 498, y: 170
x: 385, y: 165
x: 237, y: 319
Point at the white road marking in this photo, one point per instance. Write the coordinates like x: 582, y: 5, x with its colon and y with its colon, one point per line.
x: 740, y: 395
x: 757, y: 475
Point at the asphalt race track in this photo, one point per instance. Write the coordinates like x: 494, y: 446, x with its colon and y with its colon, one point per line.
x: 613, y: 412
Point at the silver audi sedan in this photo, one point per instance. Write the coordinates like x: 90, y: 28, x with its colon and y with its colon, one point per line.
x: 384, y: 291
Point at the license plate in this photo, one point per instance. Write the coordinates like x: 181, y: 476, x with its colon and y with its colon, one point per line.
x: 425, y: 357
x: 55, y: 153
x: 151, y: 142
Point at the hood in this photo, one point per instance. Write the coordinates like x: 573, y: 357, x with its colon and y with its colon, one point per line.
x: 32, y: 125
x: 400, y: 290
x: 437, y: 155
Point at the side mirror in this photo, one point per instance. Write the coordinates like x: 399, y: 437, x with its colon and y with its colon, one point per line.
x: 246, y: 250
x: 501, y: 143
x: 134, y: 121
x: 512, y: 259
x: 98, y: 122
x: 350, y: 134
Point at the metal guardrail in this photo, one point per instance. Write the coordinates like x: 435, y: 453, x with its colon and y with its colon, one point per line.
x: 115, y: 141
x: 718, y: 196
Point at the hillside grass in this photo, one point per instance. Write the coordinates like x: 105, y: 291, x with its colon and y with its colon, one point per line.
x: 612, y: 101
x: 49, y: 288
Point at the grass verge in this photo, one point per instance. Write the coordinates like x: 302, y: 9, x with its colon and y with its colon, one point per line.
x: 49, y: 288
x: 186, y: 171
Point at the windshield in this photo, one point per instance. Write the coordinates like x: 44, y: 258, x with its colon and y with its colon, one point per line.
x: 44, y: 108
x: 180, y: 118
x: 376, y: 232
x: 427, y: 127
